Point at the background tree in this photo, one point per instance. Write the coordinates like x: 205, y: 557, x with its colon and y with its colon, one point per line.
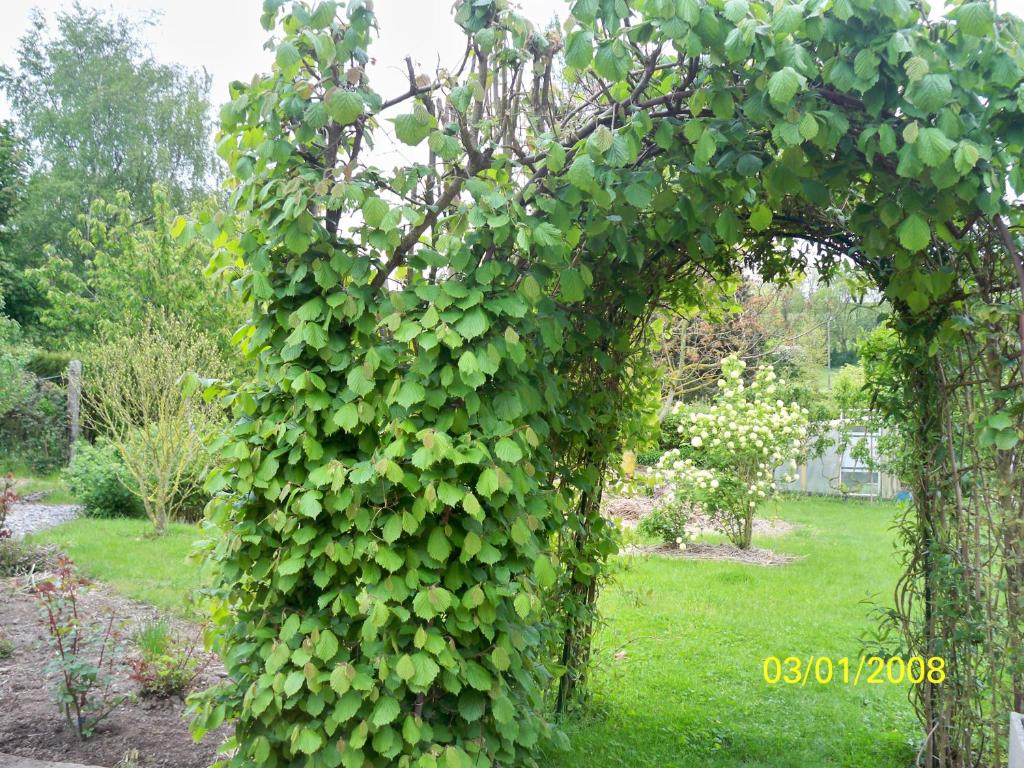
x: 127, y: 271
x: 137, y: 395
x: 99, y: 115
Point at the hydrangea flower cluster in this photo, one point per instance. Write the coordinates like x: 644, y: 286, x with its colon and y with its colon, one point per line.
x: 731, y: 448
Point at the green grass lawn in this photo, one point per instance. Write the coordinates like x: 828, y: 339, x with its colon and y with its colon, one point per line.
x: 121, y: 553
x: 689, y: 691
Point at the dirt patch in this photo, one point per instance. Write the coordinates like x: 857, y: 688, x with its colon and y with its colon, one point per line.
x: 698, y: 551
x: 31, y: 726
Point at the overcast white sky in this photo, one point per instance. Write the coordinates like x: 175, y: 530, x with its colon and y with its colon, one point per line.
x: 225, y: 36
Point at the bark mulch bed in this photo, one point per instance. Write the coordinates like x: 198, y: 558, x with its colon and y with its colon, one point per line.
x: 152, y: 732
x: 698, y: 551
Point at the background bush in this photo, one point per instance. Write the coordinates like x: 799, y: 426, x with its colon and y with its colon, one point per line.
x: 98, y: 478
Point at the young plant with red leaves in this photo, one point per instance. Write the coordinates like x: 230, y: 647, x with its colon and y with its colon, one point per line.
x: 84, y: 651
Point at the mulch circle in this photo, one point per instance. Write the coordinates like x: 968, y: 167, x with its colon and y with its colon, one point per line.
x: 698, y: 551
x: 153, y: 731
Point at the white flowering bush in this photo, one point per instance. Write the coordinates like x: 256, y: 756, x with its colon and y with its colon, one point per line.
x: 731, y: 449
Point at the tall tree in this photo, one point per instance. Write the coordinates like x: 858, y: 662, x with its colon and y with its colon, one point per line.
x: 100, y: 115
x: 13, y: 173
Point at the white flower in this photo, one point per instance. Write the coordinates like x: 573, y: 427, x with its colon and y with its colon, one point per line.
x: 696, y: 441
x: 714, y: 483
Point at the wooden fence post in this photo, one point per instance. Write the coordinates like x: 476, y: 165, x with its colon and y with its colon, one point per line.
x: 74, y: 404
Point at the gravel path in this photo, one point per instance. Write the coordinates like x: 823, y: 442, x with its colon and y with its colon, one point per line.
x: 31, y: 518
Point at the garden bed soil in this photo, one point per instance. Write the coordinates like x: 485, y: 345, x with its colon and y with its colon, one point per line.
x: 632, y: 509
x: 152, y: 731
x: 699, y: 551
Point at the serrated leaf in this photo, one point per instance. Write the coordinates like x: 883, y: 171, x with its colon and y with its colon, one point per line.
x: 974, y: 19
x: 916, y: 68
x: 412, y: 129
x: 438, y: 546
x: 930, y: 93
x: 933, y: 146
x: 783, y: 86
x: 547, y: 234
x: 327, y: 645
x: 543, y: 571
x: 508, y: 450
x: 913, y: 233
x: 385, y: 711
x: 343, y: 106
x: 579, y: 48
x: 308, y: 741
x: 611, y: 60
x: 472, y: 324
x: 410, y: 393
x: 965, y: 157
x: 581, y: 173
x: 736, y: 9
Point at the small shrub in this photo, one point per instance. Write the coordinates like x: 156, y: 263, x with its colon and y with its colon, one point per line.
x: 19, y: 558
x: 98, y: 478
x: 667, y: 520
x: 167, y: 664
x: 84, y: 652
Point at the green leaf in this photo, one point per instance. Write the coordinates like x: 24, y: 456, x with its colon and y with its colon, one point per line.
x: 581, y: 172
x: 374, y: 211
x: 411, y: 129
x: 487, y: 483
x: 736, y: 9
x: 1006, y: 439
x: 579, y: 48
x: 385, y: 711
x: 974, y: 19
x: 472, y: 324
x: 340, y: 680
x: 405, y: 668
x: 930, y: 93
x: 547, y: 234
x: 748, y: 165
x: 287, y: 56
x: 611, y: 60
x: 347, y: 416
x: 327, y: 645
x: 789, y: 18
x: 544, y: 572
x: 966, y: 157
x: 933, y: 147
x: 308, y: 741
x: 783, y: 85
x: 573, y: 288
x: 410, y: 394
x: 508, y: 450
x: 916, y: 68
x: 913, y: 233
x: 438, y: 546
x: 343, y: 106
x: 760, y: 218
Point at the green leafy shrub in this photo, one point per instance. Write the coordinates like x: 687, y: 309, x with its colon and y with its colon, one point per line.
x: 98, y: 478
x: 732, y: 448
x: 667, y: 521
x: 167, y: 664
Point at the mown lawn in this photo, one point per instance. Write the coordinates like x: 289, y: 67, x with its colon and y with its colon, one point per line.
x: 689, y: 691
x: 123, y: 554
